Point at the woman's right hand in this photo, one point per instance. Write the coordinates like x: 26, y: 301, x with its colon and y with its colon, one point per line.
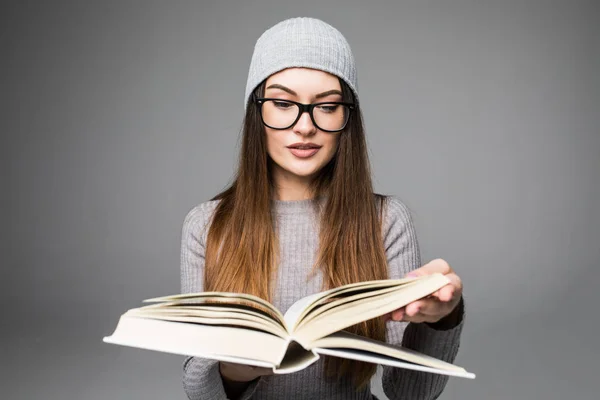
x: 240, y: 373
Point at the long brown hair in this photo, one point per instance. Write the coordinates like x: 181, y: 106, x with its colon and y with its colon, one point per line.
x: 242, y: 247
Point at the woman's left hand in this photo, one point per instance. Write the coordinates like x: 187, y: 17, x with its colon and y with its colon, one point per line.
x: 438, y: 305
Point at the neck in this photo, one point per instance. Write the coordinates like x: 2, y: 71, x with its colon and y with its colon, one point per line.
x: 292, y: 193
x: 289, y: 187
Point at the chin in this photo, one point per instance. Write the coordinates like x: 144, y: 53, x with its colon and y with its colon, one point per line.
x: 303, y: 172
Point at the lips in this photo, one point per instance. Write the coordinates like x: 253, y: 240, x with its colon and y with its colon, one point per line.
x: 304, y: 150
x: 304, y: 146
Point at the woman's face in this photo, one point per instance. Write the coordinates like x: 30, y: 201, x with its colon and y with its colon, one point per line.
x: 292, y: 161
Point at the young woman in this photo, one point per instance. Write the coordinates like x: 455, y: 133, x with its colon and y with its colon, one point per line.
x: 301, y: 217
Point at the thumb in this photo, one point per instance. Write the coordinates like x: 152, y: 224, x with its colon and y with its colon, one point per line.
x: 437, y: 265
x: 413, y: 274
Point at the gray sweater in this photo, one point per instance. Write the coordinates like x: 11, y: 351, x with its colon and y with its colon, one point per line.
x: 298, y: 237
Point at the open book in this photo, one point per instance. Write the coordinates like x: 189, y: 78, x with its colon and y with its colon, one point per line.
x: 248, y: 330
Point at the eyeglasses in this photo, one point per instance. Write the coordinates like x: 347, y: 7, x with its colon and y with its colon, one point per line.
x: 330, y: 116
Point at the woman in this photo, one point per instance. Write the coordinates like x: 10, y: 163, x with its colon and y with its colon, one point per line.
x: 301, y: 217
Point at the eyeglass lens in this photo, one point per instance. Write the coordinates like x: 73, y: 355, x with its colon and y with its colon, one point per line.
x: 282, y: 114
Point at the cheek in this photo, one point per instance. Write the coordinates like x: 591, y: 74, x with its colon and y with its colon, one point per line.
x: 272, y: 142
x: 332, y: 146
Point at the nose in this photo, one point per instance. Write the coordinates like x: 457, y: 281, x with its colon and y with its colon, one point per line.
x: 305, y: 126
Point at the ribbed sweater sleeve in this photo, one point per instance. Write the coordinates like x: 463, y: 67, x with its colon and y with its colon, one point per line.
x: 403, y: 255
x: 201, y: 376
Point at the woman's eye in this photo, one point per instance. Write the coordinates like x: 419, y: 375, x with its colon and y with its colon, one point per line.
x: 328, y: 108
x: 284, y: 105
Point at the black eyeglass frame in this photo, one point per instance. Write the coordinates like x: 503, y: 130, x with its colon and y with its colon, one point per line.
x: 302, y: 108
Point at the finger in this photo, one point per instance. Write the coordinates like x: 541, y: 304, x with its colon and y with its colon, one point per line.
x: 413, y: 308
x: 417, y: 318
x: 263, y: 371
x: 435, y: 315
x: 449, y: 291
x: 437, y: 265
x: 446, y: 293
x: 253, y: 370
x: 454, y: 279
x: 240, y: 367
x: 226, y: 364
x: 398, y: 314
x: 395, y: 315
x: 427, y: 307
x: 435, y: 308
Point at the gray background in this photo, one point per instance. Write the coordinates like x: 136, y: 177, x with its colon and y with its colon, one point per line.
x: 118, y: 117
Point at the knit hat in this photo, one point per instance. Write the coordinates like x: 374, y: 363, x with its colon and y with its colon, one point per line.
x: 301, y: 42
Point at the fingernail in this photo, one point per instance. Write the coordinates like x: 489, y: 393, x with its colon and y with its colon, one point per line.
x: 411, y: 275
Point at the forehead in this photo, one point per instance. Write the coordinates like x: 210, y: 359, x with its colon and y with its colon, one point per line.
x: 305, y: 80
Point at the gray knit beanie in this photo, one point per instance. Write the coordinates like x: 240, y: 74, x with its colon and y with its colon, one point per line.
x: 301, y: 42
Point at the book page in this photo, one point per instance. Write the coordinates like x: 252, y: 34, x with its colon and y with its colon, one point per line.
x: 296, y: 359
x: 347, y: 340
x: 374, y: 358
x: 216, y: 310
x: 182, y: 316
x: 350, y: 314
x: 246, y: 346
x: 231, y: 299
x: 338, y: 301
x: 305, y: 305
x: 210, y: 303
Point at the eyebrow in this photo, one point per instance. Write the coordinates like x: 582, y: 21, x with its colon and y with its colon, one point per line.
x: 290, y: 91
